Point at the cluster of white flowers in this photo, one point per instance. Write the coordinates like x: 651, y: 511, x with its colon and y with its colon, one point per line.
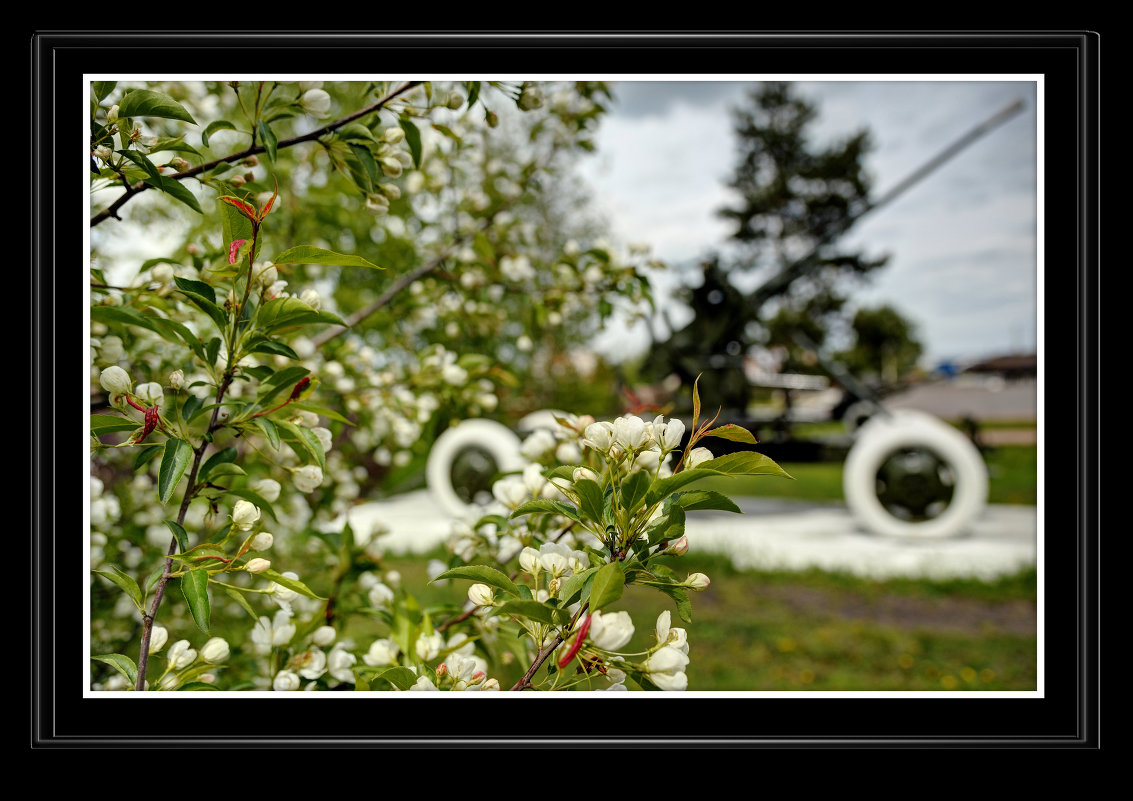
x: 666, y: 666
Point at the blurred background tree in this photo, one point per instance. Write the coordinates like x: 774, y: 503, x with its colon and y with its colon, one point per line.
x: 795, y: 200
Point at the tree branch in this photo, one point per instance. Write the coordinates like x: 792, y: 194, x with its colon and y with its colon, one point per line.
x: 141, y: 186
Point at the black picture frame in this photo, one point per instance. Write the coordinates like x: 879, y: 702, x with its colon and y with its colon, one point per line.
x: 1067, y: 715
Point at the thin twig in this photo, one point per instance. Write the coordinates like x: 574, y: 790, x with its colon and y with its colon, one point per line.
x: 141, y: 186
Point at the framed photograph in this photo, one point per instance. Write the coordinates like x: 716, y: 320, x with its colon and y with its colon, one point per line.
x: 484, y: 307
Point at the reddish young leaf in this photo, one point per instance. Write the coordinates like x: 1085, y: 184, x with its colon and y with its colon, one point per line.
x: 583, y: 630
x: 233, y: 248
x: 247, y: 209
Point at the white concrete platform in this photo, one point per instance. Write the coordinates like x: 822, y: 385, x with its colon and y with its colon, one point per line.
x: 778, y: 534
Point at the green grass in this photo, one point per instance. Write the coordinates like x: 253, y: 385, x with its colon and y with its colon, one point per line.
x: 1012, y: 479
x: 826, y: 631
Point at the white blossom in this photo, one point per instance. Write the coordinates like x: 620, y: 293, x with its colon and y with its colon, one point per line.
x: 610, y: 631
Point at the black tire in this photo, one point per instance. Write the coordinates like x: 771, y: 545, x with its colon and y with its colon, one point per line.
x: 911, y: 475
x: 491, y: 444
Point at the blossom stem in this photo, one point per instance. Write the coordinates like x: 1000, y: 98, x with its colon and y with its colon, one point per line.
x: 159, y: 591
x: 141, y: 186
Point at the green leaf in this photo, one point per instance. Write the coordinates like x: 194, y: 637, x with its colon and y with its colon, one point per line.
x: 355, y: 131
x: 667, y: 527
x: 680, y: 597
x: 213, y: 127
x: 123, y: 664
x: 609, y: 582
x: 243, y: 602
x: 400, y: 677
x: 198, y: 288
x: 192, y: 405
x: 412, y: 140
x: 179, y: 534
x: 732, y: 432
x: 705, y: 499
x: 222, y: 470
x: 220, y: 457
x: 285, y: 312
x: 267, y: 136
x: 173, y: 463
x: 178, y: 191
x: 322, y: 411
x: 545, y: 505
x: 634, y: 489
x: 151, y: 169
x: 304, y: 442
x: 194, y: 686
x: 746, y: 463
x: 591, y: 498
x: 125, y: 582
x: 234, y: 226
x: 118, y: 314
x: 695, y: 403
x: 481, y: 573
x: 203, y: 297
x: 103, y: 88
x: 309, y: 254
x: 194, y: 586
x: 575, y: 584
x: 106, y: 423
x: 541, y: 612
x: 269, y: 430
x: 664, y: 487
x: 147, y: 103
x: 291, y: 584
x: 147, y: 455
x: 273, y: 347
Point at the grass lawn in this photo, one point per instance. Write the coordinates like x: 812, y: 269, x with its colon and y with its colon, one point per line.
x: 822, y: 631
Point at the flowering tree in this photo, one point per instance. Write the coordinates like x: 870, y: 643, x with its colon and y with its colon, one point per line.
x: 242, y: 400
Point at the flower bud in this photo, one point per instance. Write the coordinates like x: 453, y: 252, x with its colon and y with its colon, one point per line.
x: 103, y: 152
x: 377, y: 204
x: 323, y: 636
x: 678, y: 548
x: 492, y: 119
x: 311, y: 298
x: 262, y: 541
x: 629, y: 432
x: 177, y: 379
x: 599, y: 436
x: 393, y: 135
x: 324, y: 436
x: 674, y: 431
x: 180, y: 655
x: 697, y: 581
x: 455, y: 100
x: 698, y: 457
x: 391, y: 191
x: 158, y: 636
x: 251, y: 161
x: 316, y: 102
x: 285, y: 681
x: 584, y: 472
x: 529, y: 560
x: 267, y: 488
x: 115, y: 380
x: 307, y: 478
x: 531, y: 98
x: 237, y: 181
x: 150, y: 393
x: 257, y: 565
x: 245, y: 515
x: 481, y: 595
x: 179, y: 164
x: 442, y: 670
x: 215, y: 650
x: 391, y: 167
x: 112, y: 114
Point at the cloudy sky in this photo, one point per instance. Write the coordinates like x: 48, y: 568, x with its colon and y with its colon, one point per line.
x: 962, y: 243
